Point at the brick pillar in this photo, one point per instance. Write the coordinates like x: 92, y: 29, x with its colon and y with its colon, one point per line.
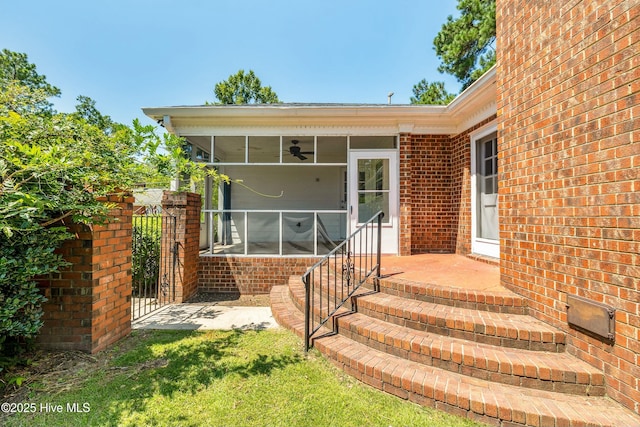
x: 89, y: 302
x: 406, y: 195
x: 185, y: 207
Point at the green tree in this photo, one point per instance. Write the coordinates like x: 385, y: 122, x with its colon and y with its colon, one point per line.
x: 53, y: 166
x: 431, y: 93
x: 466, y: 45
x: 241, y: 88
x: 15, y: 67
x: 86, y: 109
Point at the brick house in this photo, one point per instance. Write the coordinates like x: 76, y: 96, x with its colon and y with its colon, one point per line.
x: 310, y: 173
x: 535, y: 167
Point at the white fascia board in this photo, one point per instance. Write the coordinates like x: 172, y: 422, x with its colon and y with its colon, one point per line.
x: 483, y: 86
x: 312, y: 130
x: 475, y: 104
x: 275, y: 111
x: 335, y: 120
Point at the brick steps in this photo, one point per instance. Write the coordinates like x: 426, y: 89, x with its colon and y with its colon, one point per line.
x: 534, y: 369
x: 478, y: 399
x: 540, y: 370
x: 502, y: 302
x: 503, y: 329
x: 500, y: 329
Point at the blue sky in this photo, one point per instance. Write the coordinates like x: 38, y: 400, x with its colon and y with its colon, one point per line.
x: 129, y: 54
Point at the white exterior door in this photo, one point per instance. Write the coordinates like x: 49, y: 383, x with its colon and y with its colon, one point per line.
x: 373, y: 187
x: 485, y: 196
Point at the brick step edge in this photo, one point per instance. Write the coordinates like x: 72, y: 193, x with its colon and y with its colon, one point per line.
x: 499, y: 302
x: 496, y: 302
x: 480, y: 400
x: 499, y: 329
x: 559, y: 372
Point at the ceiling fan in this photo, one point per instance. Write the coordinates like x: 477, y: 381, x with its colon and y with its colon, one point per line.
x: 296, y: 151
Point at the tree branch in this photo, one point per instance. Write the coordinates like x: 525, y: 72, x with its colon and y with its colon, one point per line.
x: 54, y: 220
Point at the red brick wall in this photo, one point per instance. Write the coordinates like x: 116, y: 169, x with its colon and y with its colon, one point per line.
x: 432, y: 215
x: 89, y: 302
x: 461, y: 187
x: 569, y: 142
x: 185, y: 207
x: 248, y: 275
x: 435, y: 192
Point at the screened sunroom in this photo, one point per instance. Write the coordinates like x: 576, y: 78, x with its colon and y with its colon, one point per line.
x: 288, y: 195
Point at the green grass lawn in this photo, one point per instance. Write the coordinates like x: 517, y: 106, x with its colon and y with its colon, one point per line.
x: 226, y: 378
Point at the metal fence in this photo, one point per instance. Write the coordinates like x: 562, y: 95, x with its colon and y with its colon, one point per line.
x: 153, y: 261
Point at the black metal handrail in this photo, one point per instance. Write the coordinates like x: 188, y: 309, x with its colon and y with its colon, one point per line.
x: 349, y: 271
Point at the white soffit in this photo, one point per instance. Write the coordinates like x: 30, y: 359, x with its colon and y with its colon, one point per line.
x: 475, y: 104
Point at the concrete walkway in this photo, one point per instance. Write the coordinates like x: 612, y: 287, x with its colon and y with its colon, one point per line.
x: 207, y: 316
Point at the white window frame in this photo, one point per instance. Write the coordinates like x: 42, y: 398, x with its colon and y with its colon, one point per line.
x: 480, y: 246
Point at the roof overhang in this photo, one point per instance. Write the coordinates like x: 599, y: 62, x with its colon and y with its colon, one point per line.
x: 476, y: 103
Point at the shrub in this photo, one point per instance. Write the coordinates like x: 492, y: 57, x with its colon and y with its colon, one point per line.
x: 23, y: 256
x: 53, y: 168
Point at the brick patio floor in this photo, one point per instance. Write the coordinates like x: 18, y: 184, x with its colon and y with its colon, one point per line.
x: 443, y: 269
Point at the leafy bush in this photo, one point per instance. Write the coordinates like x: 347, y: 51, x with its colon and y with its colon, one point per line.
x: 22, y: 259
x: 23, y: 256
x: 53, y: 168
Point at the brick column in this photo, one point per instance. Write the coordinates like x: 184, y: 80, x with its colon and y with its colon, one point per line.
x: 185, y: 207
x: 89, y: 303
x: 406, y: 195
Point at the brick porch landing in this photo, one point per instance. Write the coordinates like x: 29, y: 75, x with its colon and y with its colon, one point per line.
x: 443, y: 333
x: 449, y: 270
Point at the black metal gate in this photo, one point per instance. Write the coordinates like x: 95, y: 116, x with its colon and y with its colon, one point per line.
x: 153, y: 261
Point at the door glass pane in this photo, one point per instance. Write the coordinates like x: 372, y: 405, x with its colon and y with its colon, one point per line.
x: 488, y: 167
x: 373, y: 174
x: 369, y: 203
x: 373, y: 188
x: 487, y: 188
x: 488, y: 185
x: 488, y: 148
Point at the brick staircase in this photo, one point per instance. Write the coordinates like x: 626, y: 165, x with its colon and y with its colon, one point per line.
x: 472, y: 353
